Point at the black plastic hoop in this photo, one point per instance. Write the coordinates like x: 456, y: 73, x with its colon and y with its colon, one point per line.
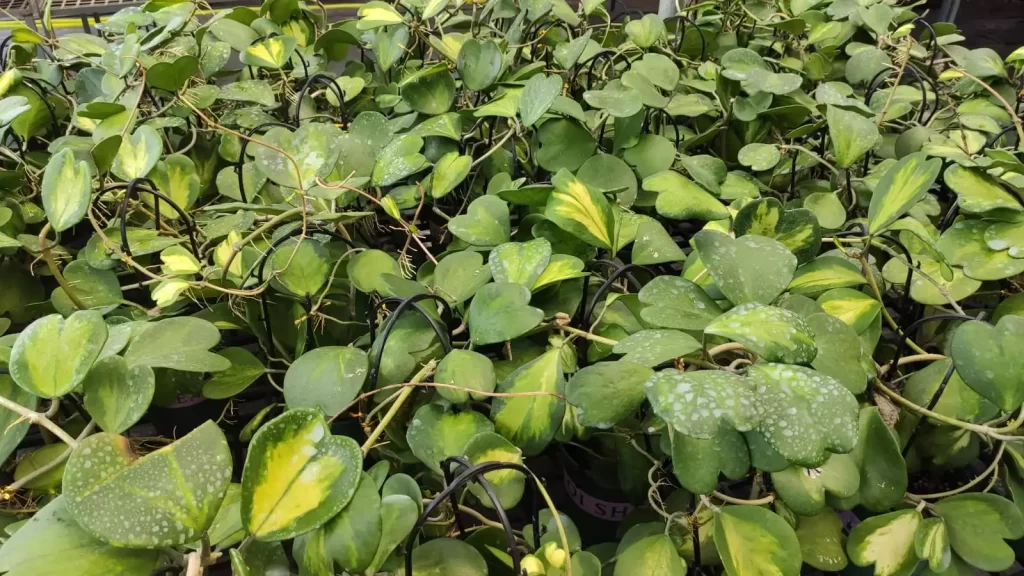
x: 385, y: 333
x: 324, y: 79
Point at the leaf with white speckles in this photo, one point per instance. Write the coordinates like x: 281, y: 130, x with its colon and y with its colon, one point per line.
x: 652, y: 347
x: 297, y: 476
x: 804, y: 414
x: 674, y: 302
x: 748, y: 269
x: 694, y: 403
x: 166, y: 498
x: 520, y: 262
x: 775, y: 334
x: 312, y: 151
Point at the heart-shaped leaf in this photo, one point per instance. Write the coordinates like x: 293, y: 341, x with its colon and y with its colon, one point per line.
x: 647, y: 551
x: 448, y: 556
x: 501, y: 311
x: 172, y: 76
x: 803, y: 489
x: 653, y: 347
x: 520, y: 262
x: 680, y: 199
x: 883, y: 472
x: 654, y: 245
x: 458, y: 276
x: 696, y: 404
x: 352, y: 536
x: 177, y: 178
x: 748, y: 269
x: 987, y: 359
x: 271, y: 53
x: 839, y: 351
x: 165, y: 498
x: 466, y: 369
x: 398, y: 514
x: 244, y: 370
x: 759, y: 156
x: 255, y: 91
x: 66, y: 191
x: 561, y: 267
x: 674, y: 302
x: 606, y: 392
x: 179, y: 344
x: 79, y: 339
x: 821, y: 541
x: 327, y: 378
x: 605, y: 173
x: 887, y: 541
x: 530, y: 421
x: 509, y: 485
x: 750, y: 538
x: 117, y: 396
x: 796, y: 229
x: 978, y: 524
x: 311, y: 152
x: 563, y: 143
x: 775, y: 334
x: 659, y: 69
x: 616, y: 99
x: 138, y: 154
x: 902, y: 186
x: 397, y: 160
x: 977, y: 192
x: 430, y: 91
x: 537, y: 96
x: 297, y: 476
x: 485, y: 223
x: 366, y: 270
x: 479, y: 63
x: 852, y: 135
x: 580, y: 211
x: 300, y: 267
x: 646, y: 31
x: 436, y: 434
x: 931, y: 543
x: 448, y: 173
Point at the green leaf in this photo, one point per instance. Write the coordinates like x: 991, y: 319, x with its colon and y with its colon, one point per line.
x: 803, y: 489
x: 697, y: 462
x: 271, y: 53
x: 697, y: 403
x: 680, y: 199
x: 977, y: 525
x: 297, y: 476
x: 580, y: 211
x: 429, y: 91
x: 13, y: 424
x: 674, y: 302
x: 887, y: 541
x: 172, y: 75
x: 520, y: 262
x: 877, y: 17
x: 351, y: 537
x: 530, y: 421
x: 775, y: 334
x: 852, y: 135
x: 563, y: 143
x: 245, y: 369
x: 66, y: 190
x: 659, y: 69
x: 314, y: 148
x: 708, y: 171
x: 36, y: 367
x: 865, y: 64
x: 604, y: 173
x: 165, y: 498
x: 300, y: 267
x: 537, y: 97
x: 984, y: 63
x: 804, y: 414
x: 644, y: 552
x: 750, y: 538
x: 485, y: 223
x: 839, y: 351
x: 179, y: 344
x: 458, y: 276
x: 138, y: 154
x: 796, y: 229
x: 255, y: 91
x: 760, y: 156
x: 825, y: 273
x: 449, y: 171
x: 447, y: 556
x: 508, y: 485
x: 465, y: 369
x: 397, y: 160
x: 367, y: 269
x: 821, y: 541
x: 977, y: 192
x: 435, y: 434
x: 654, y: 245
x: 902, y: 186
x: 235, y: 33
x: 117, y: 396
x: 398, y: 516
x: 653, y: 347
x: 52, y: 544
x: 328, y: 378
x: 963, y: 244
x: 617, y: 99
x: 646, y: 31
x: 500, y: 312
x: 883, y: 472
x: 95, y: 288
x: 985, y: 358
x: 607, y: 392
x: 931, y: 543
x: 748, y: 269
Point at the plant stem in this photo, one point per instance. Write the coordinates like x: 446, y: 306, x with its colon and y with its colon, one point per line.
x: 589, y: 336
x: 866, y: 266
x: 237, y: 248
x: 814, y: 155
x: 913, y: 359
x: 424, y: 372
x: 52, y: 464
x: 759, y: 502
x: 40, y: 419
x: 920, y: 410
x: 991, y: 468
x: 994, y: 92
x: 51, y: 263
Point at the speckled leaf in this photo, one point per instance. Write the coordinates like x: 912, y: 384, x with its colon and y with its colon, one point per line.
x: 804, y: 414
x: 607, y: 392
x: 695, y: 403
x: 654, y: 245
x: 435, y: 434
x: 883, y: 472
x: 852, y: 135
x: 117, y: 396
x: 748, y: 269
x: 615, y: 98
x: 397, y: 160
x: 796, y: 229
x: 458, y: 276
x: 181, y: 343
x: 759, y: 157
x: 931, y: 543
x: 352, y: 536
x: 977, y: 525
x: 887, y: 542
x: 538, y: 95
x: 52, y: 544
x: 501, y: 311
x: 530, y: 422
x: 165, y: 498
x: 750, y: 539
x: 821, y: 541
x: 803, y: 489
x: 674, y: 302
x: 138, y: 154
x: 963, y: 244
x: 520, y: 262
x: 652, y: 347
x: 466, y: 369
x: 314, y: 148
x: 775, y: 334
x: 1007, y: 236
x: 53, y: 355
x: 485, y: 223
x: 978, y: 192
x: 988, y: 359
x: 902, y: 186
x: 297, y: 476
x: 66, y: 190
x: 327, y: 378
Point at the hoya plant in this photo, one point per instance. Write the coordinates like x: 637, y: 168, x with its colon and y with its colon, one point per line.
x: 394, y: 294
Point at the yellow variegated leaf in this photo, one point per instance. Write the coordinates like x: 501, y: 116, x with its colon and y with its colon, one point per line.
x: 270, y: 53
x: 67, y: 186
x: 580, y: 211
x: 851, y: 306
x: 223, y: 253
x: 560, y: 267
x: 530, y: 422
x: 903, y: 186
x: 167, y: 292
x: 931, y: 543
x: 753, y: 541
x: 138, y: 154
x: 297, y: 476
x: 376, y: 14
x: 887, y: 541
x: 178, y: 260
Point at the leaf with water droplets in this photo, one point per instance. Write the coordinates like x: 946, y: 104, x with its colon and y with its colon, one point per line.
x: 327, y: 378
x: 520, y: 262
x: 165, y: 498
x: 695, y: 403
x: 748, y: 269
x: 652, y: 347
x: 775, y: 334
x: 804, y: 414
x: 297, y: 476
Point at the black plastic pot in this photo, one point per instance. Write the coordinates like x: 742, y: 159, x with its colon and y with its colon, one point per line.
x: 185, y: 415
x: 590, y: 494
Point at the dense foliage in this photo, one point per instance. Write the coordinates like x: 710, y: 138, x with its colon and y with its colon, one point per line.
x: 286, y: 296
